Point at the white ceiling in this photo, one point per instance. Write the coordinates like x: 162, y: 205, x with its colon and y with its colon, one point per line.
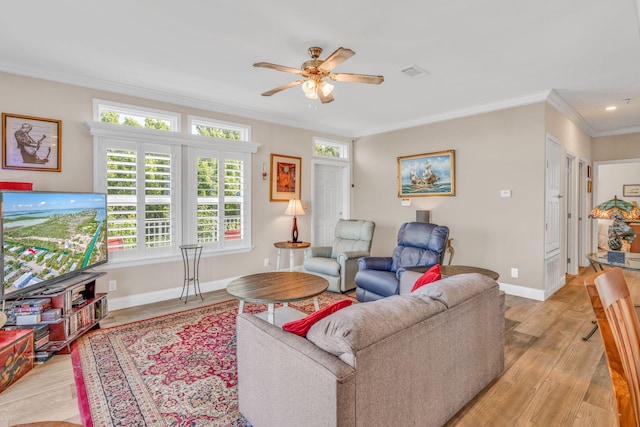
x: 480, y: 56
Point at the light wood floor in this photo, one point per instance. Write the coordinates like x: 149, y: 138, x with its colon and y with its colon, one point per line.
x: 552, y: 376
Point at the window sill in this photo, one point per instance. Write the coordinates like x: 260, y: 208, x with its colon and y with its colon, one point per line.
x: 138, y: 262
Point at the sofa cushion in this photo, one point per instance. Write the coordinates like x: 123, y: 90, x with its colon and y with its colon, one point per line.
x: 301, y: 326
x: 454, y: 290
x: 429, y: 276
x: 361, y: 325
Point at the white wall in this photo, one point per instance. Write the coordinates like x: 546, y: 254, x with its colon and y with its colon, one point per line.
x: 610, y: 178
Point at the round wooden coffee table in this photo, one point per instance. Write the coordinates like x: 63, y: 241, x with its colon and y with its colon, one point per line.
x: 280, y: 286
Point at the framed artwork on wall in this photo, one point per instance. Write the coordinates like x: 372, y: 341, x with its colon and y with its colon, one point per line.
x: 285, y: 178
x: 429, y: 174
x: 631, y: 190
x: 31, y: 143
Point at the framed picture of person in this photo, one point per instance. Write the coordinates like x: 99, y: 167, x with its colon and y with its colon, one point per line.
x: 31, y: 143
x: 285, y: 178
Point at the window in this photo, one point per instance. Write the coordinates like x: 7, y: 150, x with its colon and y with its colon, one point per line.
x: 332, y: 149
x: 219, y: 129
x: 130, y: 115
x: 221, y: 214
x: 142, y: 171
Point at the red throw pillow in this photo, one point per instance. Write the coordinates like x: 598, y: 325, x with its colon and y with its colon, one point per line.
x: 302, y: 326
x: 431, y: 275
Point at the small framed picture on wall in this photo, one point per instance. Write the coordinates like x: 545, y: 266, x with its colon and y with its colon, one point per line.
x: 31, y: 143
x: 631, y: 190
x: 285, y: 178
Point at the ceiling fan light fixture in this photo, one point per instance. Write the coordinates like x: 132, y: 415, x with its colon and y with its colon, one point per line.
x: 325, y: 87
x: 309, y: 87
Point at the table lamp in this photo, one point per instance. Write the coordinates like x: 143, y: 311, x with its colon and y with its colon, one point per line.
x: 294, y: 208
x: 620, y: 211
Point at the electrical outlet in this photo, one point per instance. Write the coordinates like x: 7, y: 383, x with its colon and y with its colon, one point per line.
x: 113, y: 285
x: 266, y: 262
x: 514, y: 272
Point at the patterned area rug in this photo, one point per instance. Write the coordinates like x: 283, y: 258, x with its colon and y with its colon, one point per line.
x: 173, y: 370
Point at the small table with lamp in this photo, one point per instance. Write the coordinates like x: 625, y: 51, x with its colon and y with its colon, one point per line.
x: 291, y: 246
x: 294, y: 208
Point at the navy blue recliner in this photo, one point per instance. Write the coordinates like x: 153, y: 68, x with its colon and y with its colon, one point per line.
x: 419, y: 244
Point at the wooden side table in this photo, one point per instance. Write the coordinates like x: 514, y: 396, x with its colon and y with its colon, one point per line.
x: 291, y: 247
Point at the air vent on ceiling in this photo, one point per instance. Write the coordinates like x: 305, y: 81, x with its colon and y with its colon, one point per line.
x: 414, y: 71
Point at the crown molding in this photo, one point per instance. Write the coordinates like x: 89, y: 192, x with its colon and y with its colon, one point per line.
x: 549, y: 96
x: 156, y: 95
x: 559, y: 104
x: 456, y: 114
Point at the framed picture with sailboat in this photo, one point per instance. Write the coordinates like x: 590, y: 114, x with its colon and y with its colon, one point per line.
x: 429, y: 174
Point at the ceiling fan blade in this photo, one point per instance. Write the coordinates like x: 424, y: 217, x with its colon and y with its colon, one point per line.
x: 283, y: 87
x: 325, y: 99
x: 357, y: 78
x: 278, y: 67
x: 336, y: 58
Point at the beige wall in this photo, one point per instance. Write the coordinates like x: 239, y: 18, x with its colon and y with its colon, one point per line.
x: 502, y: 150
x: 616, y: 147
x: 73, y: 105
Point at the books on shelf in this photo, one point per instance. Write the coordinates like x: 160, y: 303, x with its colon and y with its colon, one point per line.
x: 52, y: 314
x: 28, y: 319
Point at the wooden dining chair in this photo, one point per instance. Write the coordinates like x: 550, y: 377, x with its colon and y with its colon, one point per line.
x: 620, y: 331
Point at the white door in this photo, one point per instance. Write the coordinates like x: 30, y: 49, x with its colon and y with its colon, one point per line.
x: 571, y: 224
x: 554, y: 266
x: 330, y: 201
x: 553, y: 207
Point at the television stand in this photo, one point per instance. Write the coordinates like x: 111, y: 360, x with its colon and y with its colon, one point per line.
x: 81, y: 310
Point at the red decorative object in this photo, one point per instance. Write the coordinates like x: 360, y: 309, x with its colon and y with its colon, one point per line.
x: 302, y: 326
x: 431, y: 275
x: 22, y: 186
x: 16, y: 356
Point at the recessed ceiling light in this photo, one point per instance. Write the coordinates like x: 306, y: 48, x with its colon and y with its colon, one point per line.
x: 611, y: 108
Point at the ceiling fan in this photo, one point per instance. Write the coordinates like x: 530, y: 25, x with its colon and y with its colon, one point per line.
x: 316, y: 70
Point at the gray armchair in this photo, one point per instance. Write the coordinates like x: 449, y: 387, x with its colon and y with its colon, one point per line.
x: 338, y: 263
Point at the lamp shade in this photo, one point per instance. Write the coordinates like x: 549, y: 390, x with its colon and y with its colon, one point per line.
x: 615, y: 208
x: 294, y: 208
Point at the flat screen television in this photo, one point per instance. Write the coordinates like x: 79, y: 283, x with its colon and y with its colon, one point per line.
x: 48, y: 237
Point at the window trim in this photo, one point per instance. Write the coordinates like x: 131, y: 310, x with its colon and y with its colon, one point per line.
x: 345, y: 147
x: 175, y: 119
x: 245, y: 130
x: 101, y: 132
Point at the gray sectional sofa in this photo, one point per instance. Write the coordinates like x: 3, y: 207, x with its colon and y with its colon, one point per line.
x: 405, y: 360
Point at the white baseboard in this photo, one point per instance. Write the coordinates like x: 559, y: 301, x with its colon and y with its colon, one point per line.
x: 165, y: 294
x: 521, y: 291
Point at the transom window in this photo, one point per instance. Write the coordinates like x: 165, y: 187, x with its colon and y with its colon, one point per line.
x: 331, y: 149
x: 131, y: 115
x: 218, y: 129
